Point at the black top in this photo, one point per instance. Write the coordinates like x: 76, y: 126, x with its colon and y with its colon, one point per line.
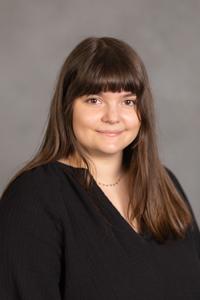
x: 54, y: 245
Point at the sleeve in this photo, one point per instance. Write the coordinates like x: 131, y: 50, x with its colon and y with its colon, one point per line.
x: 30, y: 247
x: 195, y: 229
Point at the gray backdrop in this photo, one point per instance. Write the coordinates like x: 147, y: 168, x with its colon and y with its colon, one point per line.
x: 36, y: 36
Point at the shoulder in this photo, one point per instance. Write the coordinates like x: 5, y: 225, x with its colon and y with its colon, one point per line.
x: 184, y: 196
x: 176, y: 183
x: 37, y: 189
x: 171, y: 174
x: 179, y: 188
x: 36, y: 180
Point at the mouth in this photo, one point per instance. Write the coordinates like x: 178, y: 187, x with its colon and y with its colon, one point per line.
x: 110, y: 133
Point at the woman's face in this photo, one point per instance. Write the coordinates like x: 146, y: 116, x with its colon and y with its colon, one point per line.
x: 105, y: 123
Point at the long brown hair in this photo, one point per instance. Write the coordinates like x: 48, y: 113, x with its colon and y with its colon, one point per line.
x: 109, y: 64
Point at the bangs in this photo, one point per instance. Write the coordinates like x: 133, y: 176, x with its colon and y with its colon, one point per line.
x: 108, y: 73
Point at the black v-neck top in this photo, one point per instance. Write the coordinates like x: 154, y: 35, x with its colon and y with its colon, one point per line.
x: 55, y: 244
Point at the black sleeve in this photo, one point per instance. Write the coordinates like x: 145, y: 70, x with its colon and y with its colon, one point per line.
x: 29, y: 246
x: 196, y: 232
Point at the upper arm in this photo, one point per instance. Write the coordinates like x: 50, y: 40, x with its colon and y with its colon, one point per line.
x: 196, y: 231
x: 30, y: 248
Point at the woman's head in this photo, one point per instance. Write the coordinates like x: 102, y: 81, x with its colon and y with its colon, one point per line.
x: 105, y: 124
x: 108, y: 67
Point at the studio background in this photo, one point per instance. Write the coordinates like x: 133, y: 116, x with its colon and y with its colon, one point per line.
x: 37, y: 36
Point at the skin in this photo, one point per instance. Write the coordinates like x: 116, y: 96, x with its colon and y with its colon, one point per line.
x: 106, y: 111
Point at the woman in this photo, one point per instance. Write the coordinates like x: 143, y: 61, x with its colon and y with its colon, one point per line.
x: 95, y: 214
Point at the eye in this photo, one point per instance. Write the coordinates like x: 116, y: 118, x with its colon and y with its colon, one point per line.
x: 92, y: 100
x: 130, y: 102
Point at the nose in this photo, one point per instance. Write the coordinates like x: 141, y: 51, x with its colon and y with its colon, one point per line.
x: 111, y: 115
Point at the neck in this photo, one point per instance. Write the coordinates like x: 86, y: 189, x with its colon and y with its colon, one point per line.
x: 106, y: 169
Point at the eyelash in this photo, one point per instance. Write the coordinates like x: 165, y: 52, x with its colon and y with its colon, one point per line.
x: 89, y: 99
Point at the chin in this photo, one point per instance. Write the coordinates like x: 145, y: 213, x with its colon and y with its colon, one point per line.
x: 107, y: 151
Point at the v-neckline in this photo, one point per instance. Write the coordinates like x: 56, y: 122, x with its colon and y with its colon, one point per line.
x: 121, y: 220
x: 106, y: 201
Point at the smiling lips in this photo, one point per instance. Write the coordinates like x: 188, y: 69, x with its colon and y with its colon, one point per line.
x: 110, y: 133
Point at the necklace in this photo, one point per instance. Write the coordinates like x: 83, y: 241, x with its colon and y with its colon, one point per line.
x: 111, y: 184
x: 104, y: 184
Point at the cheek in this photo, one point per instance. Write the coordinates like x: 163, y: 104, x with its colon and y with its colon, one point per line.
x: 82, y: 122
x: 132, y: 122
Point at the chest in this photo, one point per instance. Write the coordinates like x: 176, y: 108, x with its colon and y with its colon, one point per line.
x: 123, y: 266
x: 118, y: 263
x: 119, y: 199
